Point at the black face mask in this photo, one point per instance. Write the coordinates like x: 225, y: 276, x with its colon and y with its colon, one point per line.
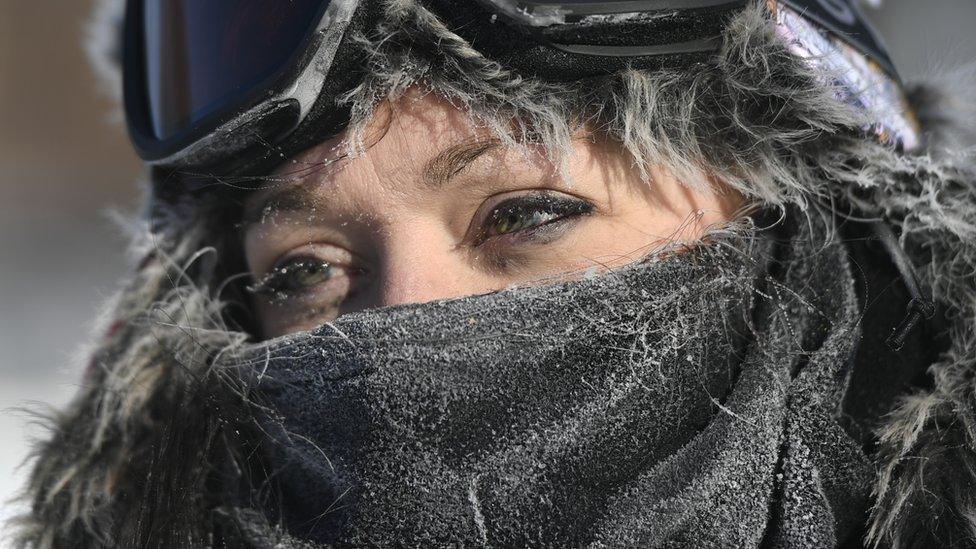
x: 685, y: 399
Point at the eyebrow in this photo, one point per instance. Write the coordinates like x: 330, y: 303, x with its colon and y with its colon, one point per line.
x: 454, y: 159
x: 436, y: 173
x: 294, y: 198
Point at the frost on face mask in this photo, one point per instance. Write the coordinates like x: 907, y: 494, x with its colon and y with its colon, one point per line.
x: 635, y: 408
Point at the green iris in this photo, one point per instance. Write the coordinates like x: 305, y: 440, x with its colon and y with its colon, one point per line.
x: 294, y: 276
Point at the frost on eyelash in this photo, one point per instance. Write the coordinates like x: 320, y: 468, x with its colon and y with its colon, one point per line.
x: 266, y: 284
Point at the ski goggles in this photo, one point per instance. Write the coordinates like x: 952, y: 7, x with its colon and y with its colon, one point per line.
x: 208, y: 81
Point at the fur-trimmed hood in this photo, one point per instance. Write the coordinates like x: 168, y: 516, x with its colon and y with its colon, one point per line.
x: 145, y: 452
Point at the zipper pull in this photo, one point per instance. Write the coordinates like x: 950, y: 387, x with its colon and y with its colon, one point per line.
x: 920, y: 305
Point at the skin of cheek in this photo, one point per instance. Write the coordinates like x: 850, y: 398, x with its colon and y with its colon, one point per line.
x: 275, y: 324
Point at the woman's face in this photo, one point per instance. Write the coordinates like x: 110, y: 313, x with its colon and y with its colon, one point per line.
x: 436, y: 209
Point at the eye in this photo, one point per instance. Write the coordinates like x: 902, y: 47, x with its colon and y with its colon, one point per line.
x: 528, y: 213
x: 295, y: 276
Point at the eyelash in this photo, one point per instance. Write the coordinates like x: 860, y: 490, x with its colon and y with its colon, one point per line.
x: 279, y: 282
x: 547, y: 211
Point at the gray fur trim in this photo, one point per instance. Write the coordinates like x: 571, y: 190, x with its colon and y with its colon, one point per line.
x: 103, y: 44
x: 926, y: 489
x: 140, y: 438
x: 751, y: 119
x: 149, y: 398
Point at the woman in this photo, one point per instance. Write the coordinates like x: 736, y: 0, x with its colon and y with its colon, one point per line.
x: 691, y: 277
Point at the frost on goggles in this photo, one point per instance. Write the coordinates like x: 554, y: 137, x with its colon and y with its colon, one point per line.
x: 201, y: 57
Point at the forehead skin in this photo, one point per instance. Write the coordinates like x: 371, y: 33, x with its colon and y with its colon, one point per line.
x: 418, y: 142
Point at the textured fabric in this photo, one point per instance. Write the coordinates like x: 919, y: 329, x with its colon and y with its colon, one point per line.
x: 686, y: 401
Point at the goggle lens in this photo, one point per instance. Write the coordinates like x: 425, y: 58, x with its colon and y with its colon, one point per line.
x: 204, y: 56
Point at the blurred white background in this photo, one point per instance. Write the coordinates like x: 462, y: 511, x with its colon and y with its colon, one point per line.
x: 64, y: 163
